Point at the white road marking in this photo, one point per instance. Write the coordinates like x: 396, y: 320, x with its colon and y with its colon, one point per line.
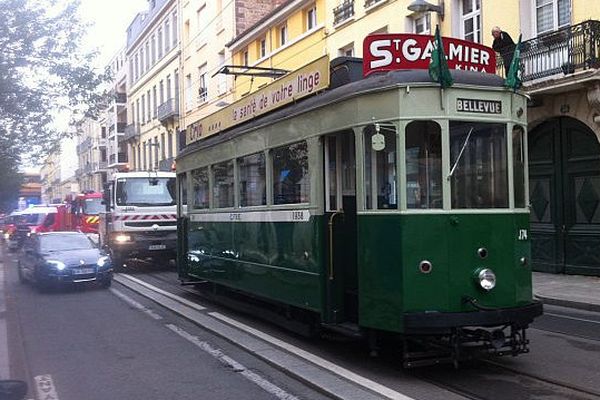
x: 573, y: 318
x: 44, y: 386
x: 164, y: 293
x: 236, y: 366
x: 341, y: 371
x: 135, y: 304
x: 4, y: 367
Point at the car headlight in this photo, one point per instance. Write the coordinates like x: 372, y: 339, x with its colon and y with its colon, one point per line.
x: 102, y: 261
x: 486, y: 278
x: 59, y: 265
x: 122, y: 238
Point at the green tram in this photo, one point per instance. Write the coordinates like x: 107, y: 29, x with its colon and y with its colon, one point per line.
x: 379, y: 207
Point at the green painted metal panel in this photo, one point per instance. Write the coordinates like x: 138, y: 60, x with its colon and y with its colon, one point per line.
x: 392, y: 246
x: 280, y: 261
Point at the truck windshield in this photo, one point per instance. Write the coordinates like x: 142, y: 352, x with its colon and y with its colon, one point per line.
x: 92, y: 206
x: 145, y: 192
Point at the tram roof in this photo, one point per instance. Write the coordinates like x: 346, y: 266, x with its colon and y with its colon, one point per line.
x: 378, y: 81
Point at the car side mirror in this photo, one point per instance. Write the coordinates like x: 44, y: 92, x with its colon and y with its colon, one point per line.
x: 13, y: 390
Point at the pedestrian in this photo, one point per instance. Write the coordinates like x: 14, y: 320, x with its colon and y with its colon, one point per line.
x: 504, y: 45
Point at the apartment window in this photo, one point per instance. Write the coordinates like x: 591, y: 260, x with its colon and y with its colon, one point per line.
x: 148, y: 54
x: 552, y: 14
x: 154, y: 102
x: 347, y: 51
x: 149, y: 115
x: 145, y: 155
x: 162, y: 92
x: 156, y: 146
x: 262, y: 48
x: 131, y: 70
x: 283, y: 35
x: 137, y: 113
x: 168, y: 93
x: 188, y: 92
x: 311, y: 18
x: 186, y: 31
x: 160, y: 43
x: 245, y: 58
x: 176, y: 82
x: 167, y: 37
x: 471, y: 20
x: 153, y: 48
x: 221, y: 78
x: 133, y: 113
x: 174, y: 29
x: 139, y: 157
x: 170, y: 144
x: 143, y: 109
x: 142, y: 61
x: 202, y: 88
x: 422, y: 24
x: 137, y: 68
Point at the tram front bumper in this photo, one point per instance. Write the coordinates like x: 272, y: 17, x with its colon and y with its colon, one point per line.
x: 443, y: 322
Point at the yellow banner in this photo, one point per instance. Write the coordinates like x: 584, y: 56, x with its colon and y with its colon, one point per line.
x: 303, y: 82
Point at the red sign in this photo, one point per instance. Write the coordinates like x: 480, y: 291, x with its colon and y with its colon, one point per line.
x: 388, y: 52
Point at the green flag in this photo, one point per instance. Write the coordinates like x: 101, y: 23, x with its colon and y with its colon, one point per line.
x: 438, y: 66
x: 513, y: 78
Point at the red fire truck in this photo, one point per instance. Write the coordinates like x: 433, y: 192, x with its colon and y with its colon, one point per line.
x: 85, y: 212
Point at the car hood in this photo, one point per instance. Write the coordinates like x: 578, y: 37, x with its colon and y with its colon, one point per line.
x: 74, y: 258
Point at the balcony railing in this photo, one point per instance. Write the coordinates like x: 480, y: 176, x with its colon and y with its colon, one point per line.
x: 371, y: 3
x: 168, y: 109
x: 121, y: 158
x: 343, y: 12
x: 83, y: 146
x: 132, y: 131
x: 120, y: 98
x: 563, y: 52
x: 121, y: 127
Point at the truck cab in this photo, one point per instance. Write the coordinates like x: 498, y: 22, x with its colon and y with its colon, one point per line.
x: 140, y: 218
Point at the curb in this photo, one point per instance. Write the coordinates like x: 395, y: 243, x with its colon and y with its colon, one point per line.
x: 568, y: 303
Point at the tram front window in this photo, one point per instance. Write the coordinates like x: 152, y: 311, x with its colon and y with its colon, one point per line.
x: 423, y: 165
x: 380, y: 167
x: 478, y: 162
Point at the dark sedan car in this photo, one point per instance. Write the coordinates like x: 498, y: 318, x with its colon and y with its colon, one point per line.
x: 63, y: 257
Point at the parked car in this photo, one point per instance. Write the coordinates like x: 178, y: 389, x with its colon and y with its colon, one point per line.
x: 63, y: 257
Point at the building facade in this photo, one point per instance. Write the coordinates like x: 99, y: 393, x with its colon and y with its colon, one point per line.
x: 92, y: 155
x: 153, y: 87
x: 114, y: 119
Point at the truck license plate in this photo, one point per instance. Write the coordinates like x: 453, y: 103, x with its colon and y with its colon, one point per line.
x: 157, y: 247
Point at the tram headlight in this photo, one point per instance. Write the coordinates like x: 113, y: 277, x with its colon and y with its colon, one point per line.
x: 486, y: 278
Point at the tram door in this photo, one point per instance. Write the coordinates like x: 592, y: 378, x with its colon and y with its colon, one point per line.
x: 564, y: 187
x: 340, y: 227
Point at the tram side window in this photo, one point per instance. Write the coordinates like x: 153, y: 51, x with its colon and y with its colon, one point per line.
x: 518, y: 138
x: 200, y: 187
x: 223, y: 195
x: 478, y: 165
x: 380, y: 167
x: 423, y: 165
x: 252, y: 180
x: 290, y: 174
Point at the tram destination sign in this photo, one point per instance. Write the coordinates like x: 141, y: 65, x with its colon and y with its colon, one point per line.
x: 393, y: 51
x: 479, y: 106
x: 303, y: 82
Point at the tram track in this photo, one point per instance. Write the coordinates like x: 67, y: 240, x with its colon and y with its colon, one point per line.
x: 523, y: 381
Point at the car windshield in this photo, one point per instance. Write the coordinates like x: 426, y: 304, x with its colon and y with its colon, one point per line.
x: 92, y: 206
x: 64, y: 242
x: 145, y: 192
x: 31, y: 219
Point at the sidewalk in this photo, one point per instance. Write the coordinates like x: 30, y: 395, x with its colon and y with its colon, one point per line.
x: 574, y: 291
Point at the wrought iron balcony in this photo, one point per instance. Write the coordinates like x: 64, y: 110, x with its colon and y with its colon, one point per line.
x: 343, y: 12
x: 371, y: 3
x: 561, y: 52
x: 168, y: 109
x: 132, y: 132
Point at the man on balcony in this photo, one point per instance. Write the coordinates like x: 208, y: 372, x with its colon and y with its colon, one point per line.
x: 504, y: 45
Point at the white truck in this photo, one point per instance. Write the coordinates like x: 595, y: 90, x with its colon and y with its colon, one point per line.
x: 140, y: 220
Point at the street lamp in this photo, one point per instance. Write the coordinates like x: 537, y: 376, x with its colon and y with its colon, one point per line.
x: 421, y: 6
